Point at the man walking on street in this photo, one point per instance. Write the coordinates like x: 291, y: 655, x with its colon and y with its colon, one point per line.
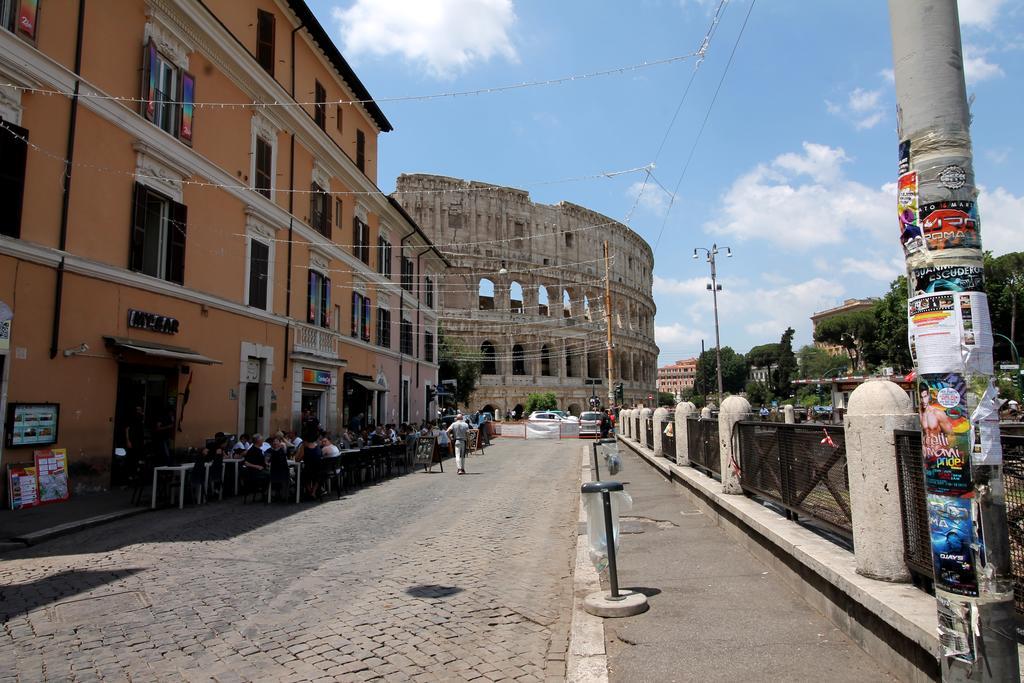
x: 459, y: 431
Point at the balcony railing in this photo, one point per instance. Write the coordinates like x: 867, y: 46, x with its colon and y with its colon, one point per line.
x: 316, y: 341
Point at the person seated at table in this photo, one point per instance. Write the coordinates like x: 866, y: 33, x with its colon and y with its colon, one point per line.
x: 378, y: 438
x: 327, y: 448
x: 280, y: 476
x: 389, y: 432
x: 443, y: 442
x: 197, y: 475
x: 216, y: 470
x: 254, y: 469
x: 246, y: 441
x: 310, y: 456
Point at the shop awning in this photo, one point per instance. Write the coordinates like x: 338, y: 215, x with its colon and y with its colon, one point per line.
x: 161, y: 350
x: 371, y: 386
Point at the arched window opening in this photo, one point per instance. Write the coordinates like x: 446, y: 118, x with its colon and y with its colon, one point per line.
x: 543, y: 303
x: 486, y: 295
x: 570, y: 370
x: 545, y: 361
x: 515, y: 296
x: 518, y: 360
x: 593, y: 364
x: 586, y: 308
x: 566, y: 304
x: 489, y: 362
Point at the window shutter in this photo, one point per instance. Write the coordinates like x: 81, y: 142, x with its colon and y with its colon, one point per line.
x: 149, y: 59
x: 176, y: 248
x: 361, y: 151
x: 259, y: 266
x: 326, y: 302
x: 13, y: 154
x: 366, y: 318
x: 265, y: 40
x: 188, y: 98
x: 314, y: 297
x: 138, y: 235
x: 326, y: 202
x: 355, y: 314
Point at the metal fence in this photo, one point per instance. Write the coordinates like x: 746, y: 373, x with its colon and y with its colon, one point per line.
x: 917, y: 550
x: 636, y: 428
x: 649, y: 432
x: 702, y: 446
x: 799, y: 467
x: 668, y: 446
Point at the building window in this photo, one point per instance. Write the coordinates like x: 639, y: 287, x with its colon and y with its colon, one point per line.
x: 428, y: 292
x: 405, y: 337
x: 320, y: 106
x: 337, y: 117
x: 361, y: 240
x: 568, y: 239
x: 319, y: 312
x: 337, y: 214
x: 545, y: 361
x: 518, y: 360
x: 264, y: 173
x: 158, y: 236
x: 489, y: 360
x: 168, y: 94
x: 384, y: 328
x: 13, y: 151
x: 265, y: 40
x: 407, y: 274
x: 320, y: 210
x: 259, y: 269
x: 428, y: 346
x: 361, y: 151
x: 383, y: 257
x: 361, y: 311
x: 20, y: 16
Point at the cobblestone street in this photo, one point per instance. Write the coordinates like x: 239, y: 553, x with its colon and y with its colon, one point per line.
x: 420, y: 577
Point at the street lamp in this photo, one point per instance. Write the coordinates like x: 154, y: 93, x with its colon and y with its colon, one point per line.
x: 715, y: 288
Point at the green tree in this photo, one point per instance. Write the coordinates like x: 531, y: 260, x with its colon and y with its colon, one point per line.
x: 855, y: 331
x: 758, y: 394
x: 545, y: 401
x: 890, y: 341
x: 457, y: 362
x: 694, y: 396
x: 815, y: 362
x: 1004, y: 284
x: 787, y: 365
x: 734, y: 372
x: 666, y: 399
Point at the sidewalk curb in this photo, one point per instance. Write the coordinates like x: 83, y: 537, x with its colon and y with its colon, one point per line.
x: 36, y: 537
x: 587, y: 661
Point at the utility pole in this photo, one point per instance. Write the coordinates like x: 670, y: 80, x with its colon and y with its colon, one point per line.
x: 715, y: 289
x: 959, y: 409
x: 608, y: 322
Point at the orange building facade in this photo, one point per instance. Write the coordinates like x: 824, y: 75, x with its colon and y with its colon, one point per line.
x: 199, y: 232
x: 680, y: 375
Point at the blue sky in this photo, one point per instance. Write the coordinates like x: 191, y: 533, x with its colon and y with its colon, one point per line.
x: 795, y: 169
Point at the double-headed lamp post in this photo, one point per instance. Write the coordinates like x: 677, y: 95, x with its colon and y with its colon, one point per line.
x: 715, y: 289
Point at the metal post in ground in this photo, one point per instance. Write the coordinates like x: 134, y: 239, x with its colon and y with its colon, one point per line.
x: 613, y: 568
x: 597, y: 469
x: 941, y: 240
x: 619, y: 602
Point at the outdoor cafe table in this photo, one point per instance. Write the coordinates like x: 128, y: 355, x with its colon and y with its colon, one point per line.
x: 298, y: 480
x: 237, y: 464
x: 181, y: 470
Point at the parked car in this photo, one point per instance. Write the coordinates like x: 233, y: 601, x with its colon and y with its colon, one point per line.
x: 590, y: 423
x: 565, y: 416
x: 545, y: 416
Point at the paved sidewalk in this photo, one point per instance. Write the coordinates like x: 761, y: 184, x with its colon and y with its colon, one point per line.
x: 716, y: 612
x: 17, y: 523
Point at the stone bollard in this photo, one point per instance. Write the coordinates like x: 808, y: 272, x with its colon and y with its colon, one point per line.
x: 789, y: 414
x: 683, y: 411
x: 734, y: 409
x: 630, y: 427
x: 877, y: 408
x: 622, y: 424
x: 661, y: 416
x: 645, y: 415
x: 705, y: 413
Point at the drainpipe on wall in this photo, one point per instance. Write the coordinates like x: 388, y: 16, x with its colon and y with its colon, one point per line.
x: 66, y: 198
x: 401, y: 310
x: 419, y: 298
x: 291, y: 217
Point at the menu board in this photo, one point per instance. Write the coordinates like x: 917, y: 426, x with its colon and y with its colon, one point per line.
x: 52, y: 475
x: 21, y: 486
x: 30, y: 424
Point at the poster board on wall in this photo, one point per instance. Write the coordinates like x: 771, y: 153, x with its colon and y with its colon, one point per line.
x: 52, y: 483
x: 32, y: 424
x: 21, y: 486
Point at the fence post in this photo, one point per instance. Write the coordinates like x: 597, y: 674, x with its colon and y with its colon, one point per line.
x: 734, y: 409
x: 877, y: 408
x: 645, y: 415
x: 683, y: 411
x: 626, y: 418
x: 660, y: 418
x: 789, y: 414
x: 705, y: 413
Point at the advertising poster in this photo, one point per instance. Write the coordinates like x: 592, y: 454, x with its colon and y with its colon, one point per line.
x: 904, y: 156
x: 21, y: 483
x: 28, y: 13
x: 945, y: 433
x: 188, y: 95
x: 949, y: 523
x: 948, y: 279
x: 52, y: 475
x: 988, y: 447
x: 950, y: 332
x: 906, y: 204
x: 950, y: 224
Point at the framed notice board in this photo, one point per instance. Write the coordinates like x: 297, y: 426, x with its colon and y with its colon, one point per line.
x: 424, y: 454
x: 472, y: 439
x: 32, y: 424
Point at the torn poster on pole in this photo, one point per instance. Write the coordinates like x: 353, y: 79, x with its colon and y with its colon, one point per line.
x: 951, y: 333
x: 945, y: 433
x: 950, y: 225
x: 907, y: 207
x: 954, y: 278
x: 949, y: 523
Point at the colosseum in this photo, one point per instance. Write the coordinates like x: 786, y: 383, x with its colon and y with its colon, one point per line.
x: 526, y: 291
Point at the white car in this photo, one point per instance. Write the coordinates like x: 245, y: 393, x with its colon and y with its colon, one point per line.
x: 551, y: 416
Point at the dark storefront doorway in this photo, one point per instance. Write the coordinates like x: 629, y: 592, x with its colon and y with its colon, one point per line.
x: 155, y: 389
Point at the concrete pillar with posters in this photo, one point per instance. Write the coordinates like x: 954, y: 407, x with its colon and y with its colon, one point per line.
x: 734, y: 409
x: 660, y: 416
x: 683, y: 412
x: 645, y: 415
x: 877, y: 408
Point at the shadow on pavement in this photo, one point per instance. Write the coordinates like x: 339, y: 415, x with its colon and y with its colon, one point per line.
x: 22, y: 598
x: 431, y: 590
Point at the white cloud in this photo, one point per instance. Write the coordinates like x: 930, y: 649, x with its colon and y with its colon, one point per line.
x: 889, y: 75
x: 774, y: 202
x: 664, y: 285
x: 873, y: 266
x: 863, y: 108
x: 976, y: 67
x: 998, y: 155
x: 1001, y: 213
x: 979, y: 12
x: 445, y: 36
x: 649, y: 196
x: 677, y: 337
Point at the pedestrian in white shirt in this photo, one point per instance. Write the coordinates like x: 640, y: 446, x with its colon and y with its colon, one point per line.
x: 459, y: 431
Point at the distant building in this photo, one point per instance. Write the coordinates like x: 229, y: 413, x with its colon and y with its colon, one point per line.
x: 680, y: 375
x: 761, y: 373
x: 848, y: 306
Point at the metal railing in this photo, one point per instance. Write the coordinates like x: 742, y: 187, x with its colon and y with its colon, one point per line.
x: 636, y: 427
x: 649, y: 432
x: 317, y: 341
x: 668, y: 446
x: 802, y: 468
x: 917, y: 550
x: 702, y: 446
